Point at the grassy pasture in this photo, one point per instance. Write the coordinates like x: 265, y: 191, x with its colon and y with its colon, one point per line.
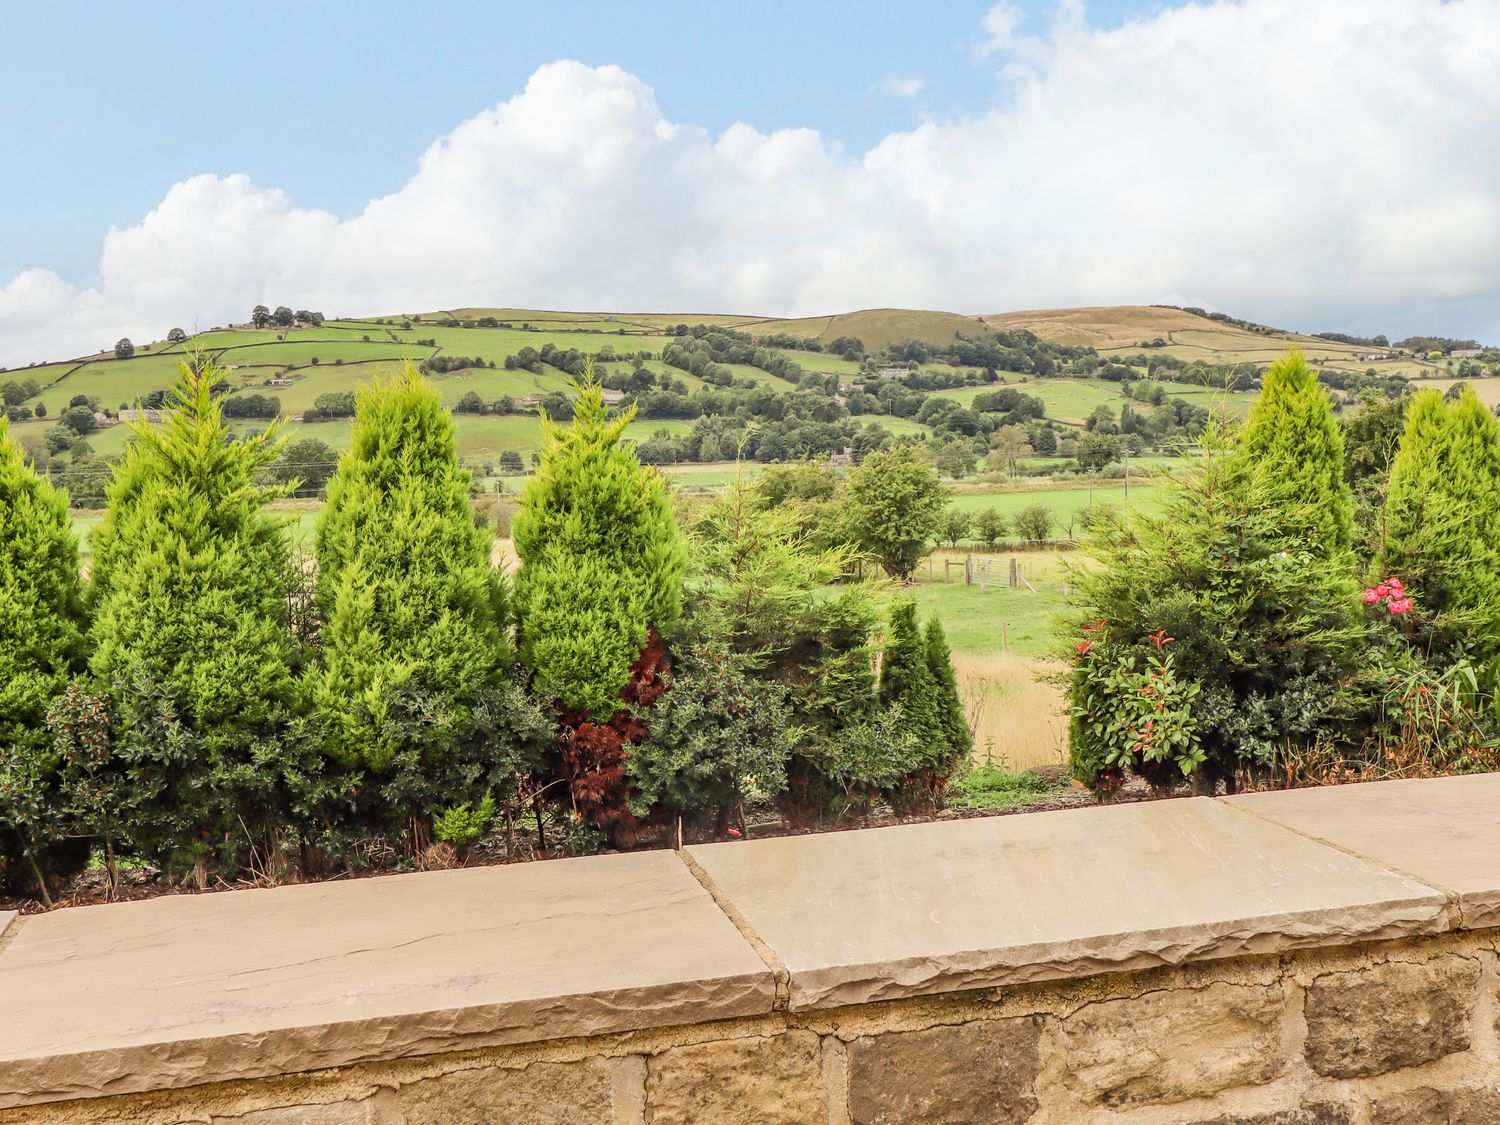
x: 301, y: 353
x: 824, y: 361
x: 113, y: 380
x: 875, y: 327
x: 1073, y: 400
x: 1066, y: 503
x: 1003, y: 641
x: 497, y: 343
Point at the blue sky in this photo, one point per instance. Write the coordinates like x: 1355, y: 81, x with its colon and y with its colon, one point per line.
x: 1313, y: 164
x: 106, y: 105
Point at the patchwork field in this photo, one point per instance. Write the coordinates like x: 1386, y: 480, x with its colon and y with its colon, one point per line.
x: 1129, y: 329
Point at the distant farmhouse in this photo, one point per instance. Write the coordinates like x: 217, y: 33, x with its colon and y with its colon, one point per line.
x: 143, y: 415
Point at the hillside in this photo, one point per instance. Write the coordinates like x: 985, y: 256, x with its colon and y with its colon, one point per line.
x: 297, y: 365
x: 1129, y: 329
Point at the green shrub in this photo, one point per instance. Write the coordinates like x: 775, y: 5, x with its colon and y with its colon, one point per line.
x: 1263, y: 611
x: 602, y: 559
x: 718, y: 735
x: 462, y: 824
x: 1442, y: 523
x: 191, y: 634
x: 1295, y: 448
x: 41, y: 645
x: 413, y: 687
x: 869, y: 756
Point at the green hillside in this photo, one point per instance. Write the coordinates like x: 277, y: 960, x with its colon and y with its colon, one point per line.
x: 487, y: 346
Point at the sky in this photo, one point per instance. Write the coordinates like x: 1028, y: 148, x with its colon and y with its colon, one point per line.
x: 1314, y: 164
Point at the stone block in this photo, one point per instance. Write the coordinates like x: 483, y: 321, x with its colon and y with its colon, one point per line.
x: 980, y: 1073
x: 1319, y: 1113
x: 1398, y: 1014
x: 362, y: 1112
x: 1175, y: 1044
x: 185, y: 989
x: 919, y: 909
x: 1427, y: 1105
x: 1442, y: 830
x: 540, y: 1094
x: 771, y: 1080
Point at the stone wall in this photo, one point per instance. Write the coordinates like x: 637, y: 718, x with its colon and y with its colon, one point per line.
x: 1328, y: 958
x: 1384, y: 1034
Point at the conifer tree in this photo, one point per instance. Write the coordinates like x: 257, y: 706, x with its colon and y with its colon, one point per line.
x: 1259, y: 614
x: 191, y: 637
x: 950, y: 707
x: 414, y: 614
x: 602, y: 559
x: 907, y: 681
x: 1296, y: 449
x: 41, y: 646
x: 1442, y: 519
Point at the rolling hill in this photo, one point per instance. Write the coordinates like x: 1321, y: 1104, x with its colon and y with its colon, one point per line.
x: 301, y: 363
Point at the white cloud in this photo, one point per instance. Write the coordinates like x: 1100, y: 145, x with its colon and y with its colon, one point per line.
x: 1000, y: 25
x: 898, y: 87
x: 1322, y: 165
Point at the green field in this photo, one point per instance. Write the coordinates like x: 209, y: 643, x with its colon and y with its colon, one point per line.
x: 1066, y: 503
x: 978, y: 621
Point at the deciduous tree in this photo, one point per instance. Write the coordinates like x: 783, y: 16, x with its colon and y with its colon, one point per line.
x: 895, y: 501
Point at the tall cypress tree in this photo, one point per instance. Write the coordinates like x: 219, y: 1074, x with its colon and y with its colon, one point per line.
x: 602, y: 566
x: 41, y: 646
x: 1295, y: 448
x: 191, y: 635
x: 907, y: 681
x: 950, y: 707
x: 414, y: 639
x: 1442, y: 519
x: 602, y: 559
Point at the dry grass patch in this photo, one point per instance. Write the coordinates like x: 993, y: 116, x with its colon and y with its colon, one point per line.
x: 1017, y: 719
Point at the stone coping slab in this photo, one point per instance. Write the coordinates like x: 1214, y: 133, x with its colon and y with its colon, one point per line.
x: 186, y: 989
x: 1443, y: 830
x: 920, y: 909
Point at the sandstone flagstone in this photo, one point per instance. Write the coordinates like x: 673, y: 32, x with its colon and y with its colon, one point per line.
x: 193, y: 988
x: 920, y: 909
x: 1442, y: 830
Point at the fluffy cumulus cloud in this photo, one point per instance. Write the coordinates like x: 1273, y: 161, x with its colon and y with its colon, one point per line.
x: 1321, y: 165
